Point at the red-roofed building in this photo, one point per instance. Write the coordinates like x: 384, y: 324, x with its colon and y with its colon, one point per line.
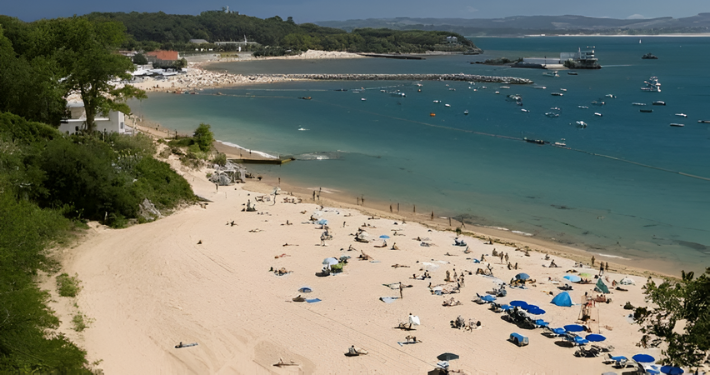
x: 164, y: 55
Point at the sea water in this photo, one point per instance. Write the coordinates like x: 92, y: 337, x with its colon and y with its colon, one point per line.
x: 628, y: 185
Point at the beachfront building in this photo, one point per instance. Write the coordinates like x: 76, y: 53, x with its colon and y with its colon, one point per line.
x: 163, y: 58
x: 113, y: 122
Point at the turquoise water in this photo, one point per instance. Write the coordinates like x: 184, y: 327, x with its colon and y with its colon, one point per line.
x: 390, y: 149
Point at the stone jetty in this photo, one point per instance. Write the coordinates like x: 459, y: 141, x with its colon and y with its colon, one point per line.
x: 401, y: 77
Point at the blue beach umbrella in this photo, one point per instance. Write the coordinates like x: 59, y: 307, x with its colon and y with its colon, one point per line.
x: 529, y: 307
x: 536, y: 311
x: 384, y: 236
x: 595, y: 338
x: 322, y: 222
x: 488, y: 298
x: 573, y: 278
x: 305, y: 289
x: 522, y: 276
x: 643, y: 358
x: 671, y: 370
x: 574, y: 328
x: 521, y: 304
x: 559, y: 331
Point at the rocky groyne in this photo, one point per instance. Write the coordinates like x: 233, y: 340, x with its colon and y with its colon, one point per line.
x: 401, y: 77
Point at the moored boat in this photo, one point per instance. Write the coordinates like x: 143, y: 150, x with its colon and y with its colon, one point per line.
x: 659, y: 102
x: 677, y: 125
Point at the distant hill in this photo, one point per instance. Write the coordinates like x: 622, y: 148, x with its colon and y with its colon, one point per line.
x: 520, y: 25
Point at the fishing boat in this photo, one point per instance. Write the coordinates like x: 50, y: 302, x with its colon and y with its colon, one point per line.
x: 652, y: 85
x: 551, y: 74
x: 676, y: 125
x: 659, y: 102
x: 681, y: 115
x: 538, y: 141
x: 581, y: 124
x: 556, y: 94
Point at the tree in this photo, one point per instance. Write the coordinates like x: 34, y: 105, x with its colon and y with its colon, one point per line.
x: 85, y: 51
x: 681, y: 318
x: 140, y: 59
x: 203, y: 137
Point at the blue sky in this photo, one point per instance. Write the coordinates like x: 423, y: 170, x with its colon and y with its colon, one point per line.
x: 325, y: 10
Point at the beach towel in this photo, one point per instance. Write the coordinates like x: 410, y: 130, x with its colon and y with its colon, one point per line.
x: 388, y: 299
x: 313, y: 300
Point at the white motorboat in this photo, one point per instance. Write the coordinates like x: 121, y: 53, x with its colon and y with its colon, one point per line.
x: 597, y: 114
x: 303, y: 129
x: 497, y: 92
x: 582, y: 107
x: 638, y: 104
x: 539, y: 87
x: 465, y: 112
x: 437, y: 101
x: 563, y: 90
x: 581, y: 124
x: 551, y: 74
x: 557, y: 94
x: 447, y: 105
x: 681, y: 115
x: 363, y: 99
x: 524, y: 110
x: 505, y: 87
x: 561, y: 143
x: 552, y: 114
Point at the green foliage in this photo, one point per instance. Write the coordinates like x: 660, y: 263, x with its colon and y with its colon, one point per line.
x: 203, y: 137
x: 81, y: 322
x: 680, y: 318
x: 160, y: 184
x: 220, y: 159
x: 68, y: 286
x: 140, y: 59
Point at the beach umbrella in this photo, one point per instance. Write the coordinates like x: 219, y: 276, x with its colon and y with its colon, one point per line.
x: 528, y: 307
x: 573, y: 278
x: 536, y: 311
x: 643, y: 358
x: 671, y: 370
x: 330, y: 261
x: 595, y: 338
x: 559, y: 331
x: 574, y: 328
x: 384, y: 236
x: 322, y: 222
x: 447, y: 356
x: 522, y: 276
x: 305, y: 289
x: 488, y: 298
x: 522, y: 304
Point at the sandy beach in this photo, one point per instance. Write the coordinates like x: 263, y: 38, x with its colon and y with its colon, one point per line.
x: 193, y: 277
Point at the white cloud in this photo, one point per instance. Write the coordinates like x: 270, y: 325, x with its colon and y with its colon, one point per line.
x: 635, y: 17
x: 471, y: 9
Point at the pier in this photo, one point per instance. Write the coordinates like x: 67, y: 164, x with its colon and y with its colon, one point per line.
x: 403, y: 77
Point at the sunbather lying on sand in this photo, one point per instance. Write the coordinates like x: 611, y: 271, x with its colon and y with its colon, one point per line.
x: 288, y: 244
x: 364, y: 256
x: 281, y: 363
x: 280, y: 272
x: 451, y: 302
x: 412, y: 339
x: 281, y: 256
x: 399, y: 266
x: 257, y: 230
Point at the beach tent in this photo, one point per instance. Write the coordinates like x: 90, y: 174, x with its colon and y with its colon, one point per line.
x: 627, y: 281
x: 602, y: 287
x: 562, y: 299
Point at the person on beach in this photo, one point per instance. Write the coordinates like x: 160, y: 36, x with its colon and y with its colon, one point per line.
x: 506, y: 257
x: 314, y: 195
x: 401, y: 289
x: 601, y: 269
x: 593, y: 260
x: 394, y: 246
x: 483, y: 257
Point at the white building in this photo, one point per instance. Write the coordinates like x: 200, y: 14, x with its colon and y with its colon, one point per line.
x: 113, y: 123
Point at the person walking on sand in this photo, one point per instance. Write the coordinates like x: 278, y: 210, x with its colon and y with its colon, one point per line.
x: 314, y: 195
x: 601, y: 269
x: 593, y: 260
x: 401, y: 289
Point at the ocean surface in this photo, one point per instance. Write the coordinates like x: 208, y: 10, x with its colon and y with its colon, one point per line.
x: 629, y: 185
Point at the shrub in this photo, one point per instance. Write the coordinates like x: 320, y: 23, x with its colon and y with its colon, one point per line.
x: 203, y: 137
x: 220, y: 159
x: 81, y: 322
x: 68, y: 286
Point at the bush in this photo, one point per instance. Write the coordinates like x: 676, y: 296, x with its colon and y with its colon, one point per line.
x: 81, y: 322
x: 68, y: 286
x: 220, y: 159
x: 203, y: 137
x: 140, y: 59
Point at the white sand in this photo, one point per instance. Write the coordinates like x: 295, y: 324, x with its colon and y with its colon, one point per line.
x: 151, y: 286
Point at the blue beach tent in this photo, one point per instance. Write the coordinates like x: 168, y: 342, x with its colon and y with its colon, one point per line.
x: 562, y: 299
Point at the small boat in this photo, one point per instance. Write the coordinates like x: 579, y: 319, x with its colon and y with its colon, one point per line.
x: 551, y: 74
x: 556, y: 108
x: 432, y: 114
x: 452, y: 89
x: 363, y: 99
x: 703, y: 121
x: 659, y: 102
x: 646, y: 110
x: 598, y: 103
x: 539, y: 87
x: 581, y: 124
x: 341, y: 89
x: 305, y: 97
x: 639, y: 104
x: 552, y: 114
x: 437, y: 101
x: 447, y: 105
x: 561, y: 143
x: 677, y: 125
x: 497, y: 92
x: 597, y: 114
x: 649, y: 56
x: 582, y: 107
x: 420, y: 90
x: 303, y: 129
x: 383, y: 91
x: 681, y: 115
x: 538, y: 141
x: 563, y: 90
x: 524, y: 110
x: 419, y: 84
x: 610, y: 96
x: 505, y: 87
x: 556, y: 94
x: 465, y: 112
x: 572, y: 73
x: 484, y: 87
